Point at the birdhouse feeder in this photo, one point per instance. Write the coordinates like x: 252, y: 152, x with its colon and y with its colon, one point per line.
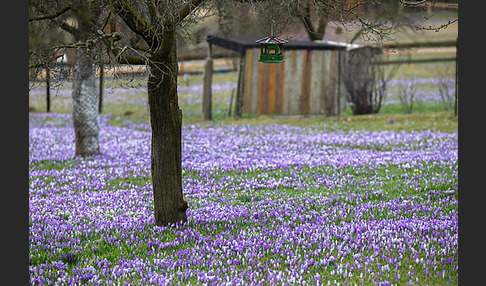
x: 271, y: 49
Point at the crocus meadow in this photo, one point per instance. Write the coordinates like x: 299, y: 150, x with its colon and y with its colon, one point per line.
x: 268, y: 205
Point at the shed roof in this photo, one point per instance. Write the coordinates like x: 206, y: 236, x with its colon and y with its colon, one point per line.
x: 241, y: 43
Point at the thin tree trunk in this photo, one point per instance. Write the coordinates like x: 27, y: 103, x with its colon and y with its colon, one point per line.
x: 315, y: 34
x: 166, y: 123
x: 85, y: 104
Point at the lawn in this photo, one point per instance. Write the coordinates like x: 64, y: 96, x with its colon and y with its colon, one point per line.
x: 289, y: 201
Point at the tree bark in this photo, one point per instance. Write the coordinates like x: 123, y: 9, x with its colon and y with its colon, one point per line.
x: 85, y: 104
x: 85, y: 95
x: 166, y: 124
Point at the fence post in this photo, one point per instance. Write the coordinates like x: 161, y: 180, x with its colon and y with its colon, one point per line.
x: 208, y: 74
x: 100, y: 100
x: 48, y: 89
x: 455, y: 91
x: 339, y: 83
x: 240, y: 89
x: 231, y: 102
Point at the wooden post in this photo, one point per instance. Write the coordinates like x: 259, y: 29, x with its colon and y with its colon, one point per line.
x: 341, y: 88
x: 100, y: 100
x: 455, y: 91
x: 48, y: 89
x: 207, y: 78
x: 231, y: 102
x: 240, y: 91
x: 338, y: 85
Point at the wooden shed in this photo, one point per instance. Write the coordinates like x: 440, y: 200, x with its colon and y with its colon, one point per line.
x: 307, y: 83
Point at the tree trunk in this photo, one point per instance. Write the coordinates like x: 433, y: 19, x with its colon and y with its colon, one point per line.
x: 316, y: 34
x: 85, y: 104
x: 166, y: 123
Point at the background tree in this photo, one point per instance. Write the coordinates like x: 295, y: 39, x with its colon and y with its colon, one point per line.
x: 315, y: 16
x: 365, y: 81
x: 83, y: 19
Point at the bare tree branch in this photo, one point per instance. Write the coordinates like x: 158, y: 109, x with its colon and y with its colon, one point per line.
x: 50, y: 16
x: 438, y: 28
x: 307, y: 21
x: 414, y: 3
x: 66, y: 27
x: 428, y: 3
x: 186, y: 10
x: 137, y: 24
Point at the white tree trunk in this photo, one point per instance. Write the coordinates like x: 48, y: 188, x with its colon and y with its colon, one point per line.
x: 85, y: 104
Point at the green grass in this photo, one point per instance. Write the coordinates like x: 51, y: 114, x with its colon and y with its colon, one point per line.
x: 441, y: 121
x: 392, y: 189
x: 397, y: 183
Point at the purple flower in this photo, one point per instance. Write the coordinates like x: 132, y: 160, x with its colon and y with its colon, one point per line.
x: 266, y: 203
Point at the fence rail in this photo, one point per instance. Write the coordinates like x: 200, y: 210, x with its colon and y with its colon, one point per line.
x: 408, y: 49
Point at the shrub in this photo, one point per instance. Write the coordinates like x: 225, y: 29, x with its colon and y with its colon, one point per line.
x: 365, y: 81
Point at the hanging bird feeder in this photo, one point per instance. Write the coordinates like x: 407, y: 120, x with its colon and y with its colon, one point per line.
x: 271, y: 49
